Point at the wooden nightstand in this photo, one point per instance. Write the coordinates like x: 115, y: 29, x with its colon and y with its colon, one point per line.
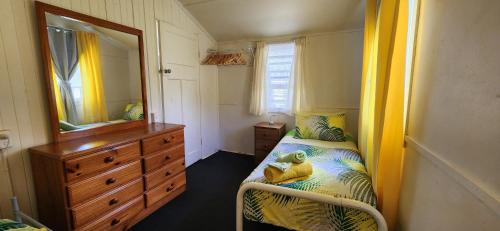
x: 266, y: 137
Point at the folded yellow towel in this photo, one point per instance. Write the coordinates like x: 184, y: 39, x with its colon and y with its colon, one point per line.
x: 275, y: 175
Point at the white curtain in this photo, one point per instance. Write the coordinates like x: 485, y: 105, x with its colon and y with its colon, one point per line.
x: 302, y: 96
x: 258, y: 94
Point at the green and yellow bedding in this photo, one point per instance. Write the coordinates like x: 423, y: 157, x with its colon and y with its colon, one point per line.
x: 338, y: 171
x: 6, y: 224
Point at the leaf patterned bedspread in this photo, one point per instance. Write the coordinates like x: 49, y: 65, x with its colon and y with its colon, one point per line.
x: 338, y: 170
x: 9, y: 225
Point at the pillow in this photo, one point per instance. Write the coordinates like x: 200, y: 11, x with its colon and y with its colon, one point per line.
x: 134, y: 112
x: 325, y: 126
x: 65, y: 126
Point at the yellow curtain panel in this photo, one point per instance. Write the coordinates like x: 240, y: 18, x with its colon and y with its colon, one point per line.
x: 89, y: 59
x: 61, y: 111
x: 381, y: 131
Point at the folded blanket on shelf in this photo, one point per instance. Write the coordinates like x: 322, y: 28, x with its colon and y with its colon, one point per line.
x: 297, y: 157
x: 294, y: 172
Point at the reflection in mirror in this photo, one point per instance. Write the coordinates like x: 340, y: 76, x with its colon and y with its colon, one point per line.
x: 95, y: 72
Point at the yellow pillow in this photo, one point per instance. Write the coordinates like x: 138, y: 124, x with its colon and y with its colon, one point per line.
x: 320, y: 126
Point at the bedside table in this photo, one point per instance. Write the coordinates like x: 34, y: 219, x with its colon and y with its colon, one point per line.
x: 266, y: 137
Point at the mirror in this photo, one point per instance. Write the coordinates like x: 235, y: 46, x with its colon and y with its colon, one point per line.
x: 94, y: 70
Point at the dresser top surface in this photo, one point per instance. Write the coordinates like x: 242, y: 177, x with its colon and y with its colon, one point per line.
x: 68, y: 149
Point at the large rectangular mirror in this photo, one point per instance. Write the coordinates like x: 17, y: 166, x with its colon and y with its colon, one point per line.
x: 94, y: 71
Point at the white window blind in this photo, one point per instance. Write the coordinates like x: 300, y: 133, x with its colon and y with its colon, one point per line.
x: 279, y: 83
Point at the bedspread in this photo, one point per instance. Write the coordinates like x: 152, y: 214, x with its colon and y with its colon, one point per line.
x: 338, y: 171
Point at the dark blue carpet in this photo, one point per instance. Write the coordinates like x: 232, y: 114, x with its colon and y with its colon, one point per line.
x: 209, y: 202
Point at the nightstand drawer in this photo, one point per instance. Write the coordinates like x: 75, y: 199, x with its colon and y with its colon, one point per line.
x: 267, y: 134
x: 260, y: 155
x: 265, y: 145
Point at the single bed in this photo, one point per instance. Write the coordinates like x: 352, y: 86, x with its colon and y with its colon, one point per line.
x: 20, y: 217
x: 337, y: 196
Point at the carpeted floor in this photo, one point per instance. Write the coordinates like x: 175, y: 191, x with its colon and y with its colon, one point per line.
x: 209, y: 202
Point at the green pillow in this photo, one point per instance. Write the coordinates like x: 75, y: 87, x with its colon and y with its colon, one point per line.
x: 327, y: 127
x: 134, y: 112
x: 65, y: 126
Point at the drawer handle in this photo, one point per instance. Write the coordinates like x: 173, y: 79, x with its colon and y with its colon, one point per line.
x: 110, y: 181
x: 109, y: 159
x: 166, y: 141
x: 168, y: 173
x: 172, y: 186
x: 167, y: 157
x: 115, y: 221
x: 113, y: 201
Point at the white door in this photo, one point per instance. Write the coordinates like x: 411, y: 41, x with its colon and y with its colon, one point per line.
x: 180, y: 84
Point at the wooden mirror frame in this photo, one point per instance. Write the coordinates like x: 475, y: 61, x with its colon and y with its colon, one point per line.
x: 41, y: 9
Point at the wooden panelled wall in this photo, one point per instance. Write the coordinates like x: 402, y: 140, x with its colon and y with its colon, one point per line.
x: 23, y: 107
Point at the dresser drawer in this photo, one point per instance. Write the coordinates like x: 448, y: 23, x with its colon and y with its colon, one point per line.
x: 119, y: 218
x: 165, y: 189
x: 162, y: 158
x: 95, y: 208
x: 162, y: 142
x: 267, y: 134
x: 265, y: 145
x: 103, y: 182
x: 161, y: 175
x: 102, y: 160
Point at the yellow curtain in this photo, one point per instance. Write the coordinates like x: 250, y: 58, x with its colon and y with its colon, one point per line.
x: 89, y: 59
x: 61, y: 111
x: 381, y: 131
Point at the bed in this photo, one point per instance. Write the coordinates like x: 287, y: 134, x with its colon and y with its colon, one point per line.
x: 20, y: 218
x: 337, y: 196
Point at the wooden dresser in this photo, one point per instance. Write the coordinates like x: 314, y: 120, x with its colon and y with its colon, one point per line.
x: 266, y: 137
x: 109, y: 181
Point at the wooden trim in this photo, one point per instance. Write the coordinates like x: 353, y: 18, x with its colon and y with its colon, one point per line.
x: 41, y: 9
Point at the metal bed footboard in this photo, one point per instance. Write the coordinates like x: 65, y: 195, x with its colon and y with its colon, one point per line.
x: 382, y: 226
x: 19, y: 216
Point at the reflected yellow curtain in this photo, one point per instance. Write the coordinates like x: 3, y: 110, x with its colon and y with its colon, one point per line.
x: 381, y: 131
x: 89, y: 59
x: 61, y: 111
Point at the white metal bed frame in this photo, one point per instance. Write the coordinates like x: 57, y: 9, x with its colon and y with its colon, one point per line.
x: 19, y: 215
x: 349, y: 203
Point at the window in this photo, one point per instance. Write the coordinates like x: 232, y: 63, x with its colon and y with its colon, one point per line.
x: 279, y: 83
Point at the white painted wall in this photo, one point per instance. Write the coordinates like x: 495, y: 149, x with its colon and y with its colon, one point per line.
x: 334, y: 63
x: 23, y: 98
x: 451, y: 179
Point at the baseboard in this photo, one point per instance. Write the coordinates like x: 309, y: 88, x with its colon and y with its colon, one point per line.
x: 237, y: 152
x: 488, y: 198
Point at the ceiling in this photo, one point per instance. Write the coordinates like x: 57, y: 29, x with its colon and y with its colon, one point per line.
x: 228, y: 20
